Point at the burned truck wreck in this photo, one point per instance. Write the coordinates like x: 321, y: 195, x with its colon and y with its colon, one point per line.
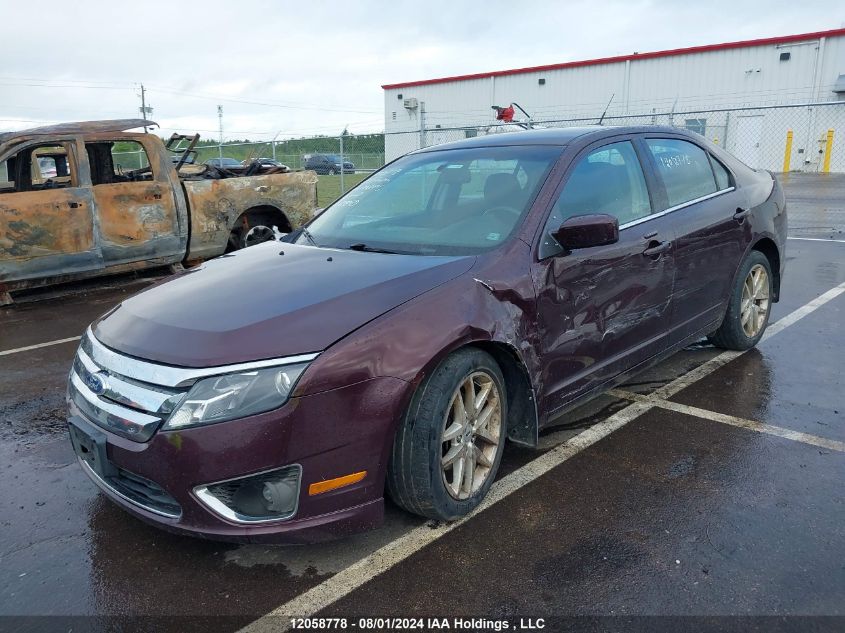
x: 69, y: 210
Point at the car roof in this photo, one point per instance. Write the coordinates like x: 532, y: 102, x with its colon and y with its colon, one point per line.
x: 553, y: 136
x: 81, y: 127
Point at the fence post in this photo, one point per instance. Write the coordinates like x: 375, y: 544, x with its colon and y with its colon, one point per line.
x: 342, y: 190
x: 422, y: 124
x: 828, y: 148
x: 787, y: 152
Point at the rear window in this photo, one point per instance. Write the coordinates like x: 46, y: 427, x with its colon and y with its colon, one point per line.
x: 723, y: 177
x: 684, y: 168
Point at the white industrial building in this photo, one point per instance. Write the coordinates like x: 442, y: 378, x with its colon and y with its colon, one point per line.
x: 733, y: 93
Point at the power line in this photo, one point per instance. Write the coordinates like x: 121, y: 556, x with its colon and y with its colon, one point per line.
x: 270, y: 104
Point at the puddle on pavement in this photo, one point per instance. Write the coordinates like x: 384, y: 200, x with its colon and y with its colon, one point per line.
x: 324, y: 558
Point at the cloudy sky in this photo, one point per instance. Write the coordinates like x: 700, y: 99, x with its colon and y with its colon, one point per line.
x: 314, y: 67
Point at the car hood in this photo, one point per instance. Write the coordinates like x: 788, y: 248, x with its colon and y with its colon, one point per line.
x: 267, y: 301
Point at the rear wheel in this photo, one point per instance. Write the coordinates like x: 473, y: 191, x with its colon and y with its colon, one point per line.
x: 253, y: 228
x: 449, y: 446
x: 748, y: 309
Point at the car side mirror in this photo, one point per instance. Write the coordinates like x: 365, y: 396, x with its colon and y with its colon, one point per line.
x: 584, y: 231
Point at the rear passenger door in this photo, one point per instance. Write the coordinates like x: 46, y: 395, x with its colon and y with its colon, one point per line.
x: 712, y: 232
x: 605, y: 309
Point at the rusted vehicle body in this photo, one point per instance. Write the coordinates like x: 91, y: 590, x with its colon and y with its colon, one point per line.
x: 69, y: 210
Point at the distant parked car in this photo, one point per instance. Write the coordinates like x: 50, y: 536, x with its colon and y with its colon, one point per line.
x: 328, y: 164
x: 47, y: 167
x: 265, y: 162
x: 175, y: 158
x: 224, y: 163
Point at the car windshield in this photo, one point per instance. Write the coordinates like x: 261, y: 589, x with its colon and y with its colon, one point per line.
x: 448, y: 202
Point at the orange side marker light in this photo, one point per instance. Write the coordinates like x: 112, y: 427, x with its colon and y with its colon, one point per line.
x: 319, y: 487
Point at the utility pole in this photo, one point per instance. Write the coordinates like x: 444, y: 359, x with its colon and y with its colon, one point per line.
x: 220, y: 121
x: 145, y: 111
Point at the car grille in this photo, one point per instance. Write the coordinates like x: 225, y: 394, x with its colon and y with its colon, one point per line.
x: 122, y: 404
x: 137, y: 491
x: 144, y: 493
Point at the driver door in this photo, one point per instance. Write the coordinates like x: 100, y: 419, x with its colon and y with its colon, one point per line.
x: 605, y: 309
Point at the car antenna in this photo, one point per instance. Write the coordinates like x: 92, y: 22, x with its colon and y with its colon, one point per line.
x: 606, y: 107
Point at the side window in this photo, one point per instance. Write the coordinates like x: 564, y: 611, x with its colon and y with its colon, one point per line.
x: 608, y: 180
x: 684, y: 168
x: 7, y: 180
x: 723, y: 176
x: 117, y: 161
x: 128, y: 156
x: 37, y: 168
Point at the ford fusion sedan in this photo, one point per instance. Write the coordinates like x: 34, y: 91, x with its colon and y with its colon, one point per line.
x: 462, y: 297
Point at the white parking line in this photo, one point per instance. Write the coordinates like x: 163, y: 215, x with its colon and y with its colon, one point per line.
x: 815, y: 239
x: 743, y: 423
x: 806, y: 438
x: 346, y: 581
x: 39, y: 345
x: 670, y: 389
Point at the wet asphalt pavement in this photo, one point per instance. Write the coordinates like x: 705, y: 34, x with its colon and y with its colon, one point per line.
x: 693, y: 508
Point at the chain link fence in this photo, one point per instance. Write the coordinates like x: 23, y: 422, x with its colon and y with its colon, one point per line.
x: 807, y: 137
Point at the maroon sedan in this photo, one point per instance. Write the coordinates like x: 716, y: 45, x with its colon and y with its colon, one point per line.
x: 462, y: 296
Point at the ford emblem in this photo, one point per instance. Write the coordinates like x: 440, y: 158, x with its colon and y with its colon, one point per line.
x: 96, y: 383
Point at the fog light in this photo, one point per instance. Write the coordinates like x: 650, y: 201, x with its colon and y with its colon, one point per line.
x: 269, y: 496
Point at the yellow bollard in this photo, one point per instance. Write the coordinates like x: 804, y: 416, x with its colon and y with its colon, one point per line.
x: 828, y: 148
x: 787, y: 152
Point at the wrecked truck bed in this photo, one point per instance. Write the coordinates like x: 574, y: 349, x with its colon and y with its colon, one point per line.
x: 69, y: 210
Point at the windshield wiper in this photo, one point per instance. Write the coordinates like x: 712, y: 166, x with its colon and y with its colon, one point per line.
x: 360, y: 246
x: 308, y: 236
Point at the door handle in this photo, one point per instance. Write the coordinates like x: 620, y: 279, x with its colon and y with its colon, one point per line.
x: 74, y: 205
x: 656, y: 249
x: 741, y: 214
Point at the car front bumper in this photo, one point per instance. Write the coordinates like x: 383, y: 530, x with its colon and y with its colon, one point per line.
x: 328, y: 435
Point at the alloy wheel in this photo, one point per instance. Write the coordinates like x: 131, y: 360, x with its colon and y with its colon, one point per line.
x: 258, y: 234
x: 755, y: 301
x: 472, y: 431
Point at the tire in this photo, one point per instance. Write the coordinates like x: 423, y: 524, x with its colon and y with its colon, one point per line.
x: 736, y: 331
x: 332, y: 172
x: 416, y: 478
x: 260, y: 230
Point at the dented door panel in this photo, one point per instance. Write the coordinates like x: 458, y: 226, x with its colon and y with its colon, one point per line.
x: 602, y: 310
x: 217, y: 204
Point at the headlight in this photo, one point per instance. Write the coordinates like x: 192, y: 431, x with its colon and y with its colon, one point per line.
x: 236, y: 395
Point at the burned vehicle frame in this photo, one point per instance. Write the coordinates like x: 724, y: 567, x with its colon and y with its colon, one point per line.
x: 94, y: 217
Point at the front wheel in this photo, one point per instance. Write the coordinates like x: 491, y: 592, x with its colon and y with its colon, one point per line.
x: 449, y: 446
x: 749, y: 305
